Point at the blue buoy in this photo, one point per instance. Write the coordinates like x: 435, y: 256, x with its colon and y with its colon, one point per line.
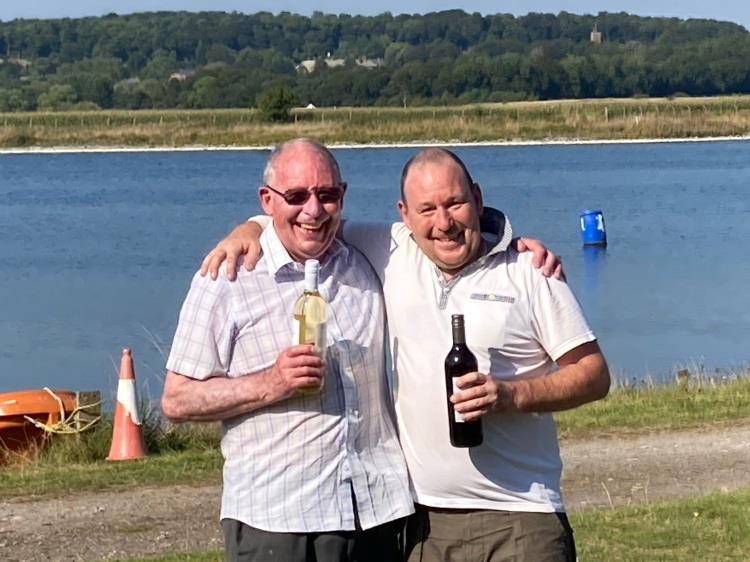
x: 592, y: 228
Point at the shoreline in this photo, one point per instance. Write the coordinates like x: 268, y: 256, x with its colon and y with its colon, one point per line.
x: 353, y: 146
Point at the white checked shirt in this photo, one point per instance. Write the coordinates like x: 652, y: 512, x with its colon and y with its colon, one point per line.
x: 292, y: 466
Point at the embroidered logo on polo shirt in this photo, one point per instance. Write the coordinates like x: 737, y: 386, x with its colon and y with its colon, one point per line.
x: 492, y: 297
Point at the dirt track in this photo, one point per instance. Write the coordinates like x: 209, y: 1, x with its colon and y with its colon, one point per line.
x: 151, y: 521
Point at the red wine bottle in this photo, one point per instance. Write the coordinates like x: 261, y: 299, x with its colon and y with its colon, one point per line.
x: 460, y: 360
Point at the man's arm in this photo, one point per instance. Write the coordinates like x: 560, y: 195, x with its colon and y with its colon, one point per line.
x: 244, y: 240
x: 583, y: 376
x: 219, y: 398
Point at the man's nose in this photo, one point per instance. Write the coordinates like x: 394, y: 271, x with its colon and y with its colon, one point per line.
x: 443, y: 219
x: 312, y: 206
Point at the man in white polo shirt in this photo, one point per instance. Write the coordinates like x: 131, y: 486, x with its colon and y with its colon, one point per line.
x: 536, y: 354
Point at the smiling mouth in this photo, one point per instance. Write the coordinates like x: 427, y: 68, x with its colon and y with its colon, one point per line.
x: 311, y: 227
x: 457, y: 241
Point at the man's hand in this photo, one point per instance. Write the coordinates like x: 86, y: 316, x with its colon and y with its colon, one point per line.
x: 549, y: 263
x: 296, y: 367
x: 479, y: 395
x: 243, y: 240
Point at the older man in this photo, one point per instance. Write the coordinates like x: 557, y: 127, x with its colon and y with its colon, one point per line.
x: 306, y: 477
x: 500, y: 500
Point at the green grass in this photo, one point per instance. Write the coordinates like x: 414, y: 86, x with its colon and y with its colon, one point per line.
x: 708, y: 528
x: 633, y: 409
x: 44, y: 479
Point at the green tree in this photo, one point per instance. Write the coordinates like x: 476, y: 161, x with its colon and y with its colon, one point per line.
x: 58, y: 97
x: 276, y: 103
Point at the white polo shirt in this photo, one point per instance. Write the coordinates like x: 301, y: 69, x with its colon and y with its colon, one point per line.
x: 517, y: 324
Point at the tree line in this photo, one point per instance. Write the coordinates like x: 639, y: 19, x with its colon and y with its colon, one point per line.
x: 215, y: 59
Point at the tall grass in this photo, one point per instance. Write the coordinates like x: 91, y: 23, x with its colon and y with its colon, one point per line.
x: 517, y: 121
x: 695, y: 400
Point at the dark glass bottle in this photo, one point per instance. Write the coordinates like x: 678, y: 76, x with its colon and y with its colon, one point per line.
x: 460, y: 360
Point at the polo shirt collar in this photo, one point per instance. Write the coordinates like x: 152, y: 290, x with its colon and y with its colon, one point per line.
x: 277, y: 257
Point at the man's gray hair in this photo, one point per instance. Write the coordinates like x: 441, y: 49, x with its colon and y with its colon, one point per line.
x: 270, y: 170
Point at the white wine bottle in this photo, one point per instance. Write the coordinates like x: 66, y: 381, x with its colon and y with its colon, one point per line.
x: 310, y: 316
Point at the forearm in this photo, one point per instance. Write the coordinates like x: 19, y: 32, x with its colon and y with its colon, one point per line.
x: 212, y: 399
x: 572, y: 385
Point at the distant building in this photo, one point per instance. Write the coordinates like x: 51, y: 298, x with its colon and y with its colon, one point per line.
x: 308, y: 65
x: 596, y: 36
x: 181, y: 75
x: 23, y: 63
x: 369, y: 63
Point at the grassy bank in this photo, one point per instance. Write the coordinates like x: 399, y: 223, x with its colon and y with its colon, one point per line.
x: 520, y: 121
x: 711, y: 528
x: 189, y: 454
x: 701, y: 403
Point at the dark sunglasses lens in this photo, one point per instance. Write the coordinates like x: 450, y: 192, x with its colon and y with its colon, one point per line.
x: 328, y: 195
x: 296, y: 197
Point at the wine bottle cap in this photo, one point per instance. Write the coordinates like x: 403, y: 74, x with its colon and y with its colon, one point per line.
x: 457, y: 319
x: 312, y: 267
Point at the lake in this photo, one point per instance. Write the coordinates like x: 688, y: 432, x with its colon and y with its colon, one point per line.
x: 97, y: 249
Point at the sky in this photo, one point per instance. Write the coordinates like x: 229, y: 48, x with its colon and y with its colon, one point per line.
x: 729, y: 10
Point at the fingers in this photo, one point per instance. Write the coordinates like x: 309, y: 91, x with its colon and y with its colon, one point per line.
x: 551, y: 261
x: 251, y: 260
x: 231, y: 259
x: 559, y: 273
x: 212, y: 262
x: 300, y: 361
x: 477, y: 396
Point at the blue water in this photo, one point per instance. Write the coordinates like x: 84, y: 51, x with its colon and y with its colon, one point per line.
x: 97, y: 250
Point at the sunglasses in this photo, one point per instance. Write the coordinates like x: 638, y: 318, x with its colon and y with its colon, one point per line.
x: 297, y: 196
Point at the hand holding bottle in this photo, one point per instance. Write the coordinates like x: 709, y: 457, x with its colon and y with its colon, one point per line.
x: 299, y: 366
x: 478, y: 394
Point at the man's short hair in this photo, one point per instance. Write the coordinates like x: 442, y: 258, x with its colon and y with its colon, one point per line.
x: 278, y: 150
x: 430, y: 156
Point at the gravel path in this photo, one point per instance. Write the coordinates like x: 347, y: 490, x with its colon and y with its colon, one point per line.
x: 157, y: 520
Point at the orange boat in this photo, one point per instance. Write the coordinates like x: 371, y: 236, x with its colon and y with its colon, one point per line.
x: 19, y: 410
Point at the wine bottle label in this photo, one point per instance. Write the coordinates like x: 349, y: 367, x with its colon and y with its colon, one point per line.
x: 457, y: 416
x: 319, y: 337
x: 312, y: 333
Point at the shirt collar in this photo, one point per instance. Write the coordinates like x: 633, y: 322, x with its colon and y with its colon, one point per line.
x: 496, y: 231
x: 277, y: 257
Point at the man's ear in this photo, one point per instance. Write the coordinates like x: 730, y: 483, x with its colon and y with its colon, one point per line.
x: 265, y: 197
x: 343, y: 195
x: 404, y: 212
x: 477, y: 193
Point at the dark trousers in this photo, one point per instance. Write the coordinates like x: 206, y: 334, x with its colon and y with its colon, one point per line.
x: 445, y: 535
x: 243, y: 543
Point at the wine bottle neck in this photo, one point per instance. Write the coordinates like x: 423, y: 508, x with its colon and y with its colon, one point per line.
x: 459, y: 334
x: 311, y: 283
x: 311, y: 276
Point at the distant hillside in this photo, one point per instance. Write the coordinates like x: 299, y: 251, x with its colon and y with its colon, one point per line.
x: 212, y: 59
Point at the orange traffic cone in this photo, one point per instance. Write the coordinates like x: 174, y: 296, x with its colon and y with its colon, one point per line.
x: 127, y: 435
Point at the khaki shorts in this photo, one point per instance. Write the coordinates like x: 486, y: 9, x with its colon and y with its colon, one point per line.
x: 446, y: 535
